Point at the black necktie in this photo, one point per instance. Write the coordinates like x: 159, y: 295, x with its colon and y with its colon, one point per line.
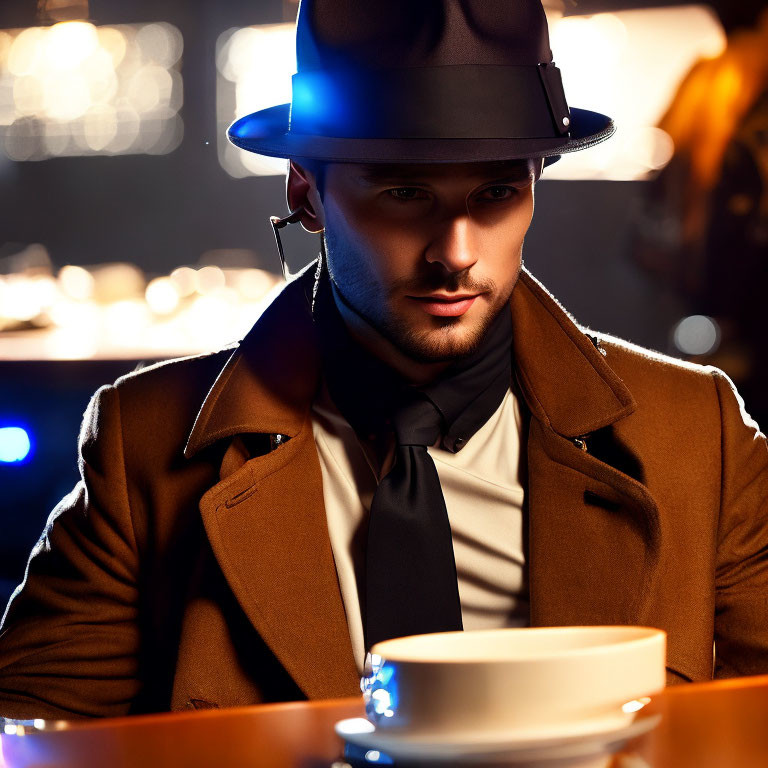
x: 411, y: 583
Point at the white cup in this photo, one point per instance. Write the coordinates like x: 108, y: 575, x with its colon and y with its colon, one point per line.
x: 513, y: 683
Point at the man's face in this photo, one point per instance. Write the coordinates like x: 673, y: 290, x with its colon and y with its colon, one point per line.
x: 428, y: 254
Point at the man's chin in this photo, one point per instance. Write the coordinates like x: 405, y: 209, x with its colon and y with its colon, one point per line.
x: 447, y: 341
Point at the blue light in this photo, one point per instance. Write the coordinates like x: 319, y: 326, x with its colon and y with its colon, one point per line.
x: 385, y: 673
x: 320, y: 104
x: 380, y: 690
x: 15, y: 445
x: 304, y: 96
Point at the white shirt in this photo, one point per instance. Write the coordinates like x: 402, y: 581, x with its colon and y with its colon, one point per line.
x: 484, y: 499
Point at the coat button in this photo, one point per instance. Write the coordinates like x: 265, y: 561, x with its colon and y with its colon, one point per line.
x: 581, y: 443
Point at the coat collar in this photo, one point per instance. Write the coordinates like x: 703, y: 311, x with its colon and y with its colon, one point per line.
x: 564, y: 377
x: 268, y: 383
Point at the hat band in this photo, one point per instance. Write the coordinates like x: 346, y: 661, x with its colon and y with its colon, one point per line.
x: 449, y: 102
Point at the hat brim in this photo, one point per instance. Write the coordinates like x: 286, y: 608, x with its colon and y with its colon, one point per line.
x: 266, y: 133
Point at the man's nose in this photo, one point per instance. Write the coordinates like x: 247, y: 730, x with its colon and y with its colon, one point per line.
x: 454, y: 246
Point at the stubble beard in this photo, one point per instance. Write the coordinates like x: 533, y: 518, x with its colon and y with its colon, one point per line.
x: 449, y: 339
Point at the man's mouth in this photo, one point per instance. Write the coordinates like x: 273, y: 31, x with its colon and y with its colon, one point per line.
x: 445, y: 304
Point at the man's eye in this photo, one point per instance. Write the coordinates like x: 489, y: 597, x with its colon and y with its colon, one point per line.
x: 498, y: 193
x: 407, y: 193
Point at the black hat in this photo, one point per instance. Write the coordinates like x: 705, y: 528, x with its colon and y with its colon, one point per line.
x: 422, y: 81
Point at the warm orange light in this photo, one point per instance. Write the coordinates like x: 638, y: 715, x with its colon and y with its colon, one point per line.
x: 714, y: 98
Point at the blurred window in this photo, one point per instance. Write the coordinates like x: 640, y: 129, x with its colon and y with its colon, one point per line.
x: 77, y: 89
x: 629, y: 65
x: 254, y: 66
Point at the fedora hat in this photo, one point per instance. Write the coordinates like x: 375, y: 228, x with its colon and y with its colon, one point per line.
x: 422, y: 81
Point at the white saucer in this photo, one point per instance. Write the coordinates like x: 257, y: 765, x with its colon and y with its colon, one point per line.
x: 363, y: 733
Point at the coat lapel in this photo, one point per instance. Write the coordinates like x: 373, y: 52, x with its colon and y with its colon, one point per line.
x: 594, y: 531
x: 267, y: 527
x: 266, y: 520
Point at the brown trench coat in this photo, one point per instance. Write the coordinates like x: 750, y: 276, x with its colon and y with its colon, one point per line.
x: 191, y: 566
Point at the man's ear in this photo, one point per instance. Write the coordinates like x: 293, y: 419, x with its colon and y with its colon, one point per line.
x: 301, y: 192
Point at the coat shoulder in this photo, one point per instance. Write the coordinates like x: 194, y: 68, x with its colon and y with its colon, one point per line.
x: 675, y: 392
x: 170, y: 381
x: 633, y: 362
x: 159, y: 403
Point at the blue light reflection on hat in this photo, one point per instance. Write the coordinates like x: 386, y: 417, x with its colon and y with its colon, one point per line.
x: 323, y: 104
x: 305, y: 97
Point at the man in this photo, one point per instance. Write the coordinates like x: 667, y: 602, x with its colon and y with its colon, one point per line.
x: 413, y: 437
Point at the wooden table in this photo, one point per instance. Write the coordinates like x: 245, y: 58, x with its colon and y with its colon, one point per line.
x: 708, y: 725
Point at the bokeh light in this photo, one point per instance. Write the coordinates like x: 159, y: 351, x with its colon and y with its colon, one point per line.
x: 114, y: 311
x: 15, y: 445
x: 185, y: 280
x: 162, y: 296
x: 69, y: 44
x: 77, y: 89
x: 160, y: 43
x: 697, y: 335
x: 76, y: 282
x: 210, y: 279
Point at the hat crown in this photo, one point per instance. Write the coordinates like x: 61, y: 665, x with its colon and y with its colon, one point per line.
x: 342, y: 34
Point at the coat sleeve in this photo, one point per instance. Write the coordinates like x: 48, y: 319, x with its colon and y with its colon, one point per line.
x: 741, y: 577
x: 69, y: 640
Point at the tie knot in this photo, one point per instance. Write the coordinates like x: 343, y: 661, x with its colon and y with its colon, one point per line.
x: 417, y: 421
